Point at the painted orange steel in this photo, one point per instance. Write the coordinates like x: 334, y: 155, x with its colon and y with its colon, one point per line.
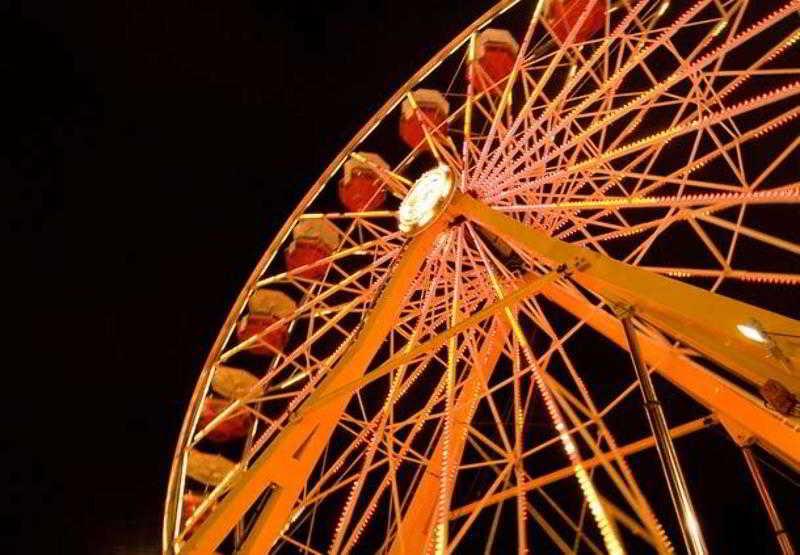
x: 777, y: 434
x: 526, y: 287
x: 697, y: 317
x: 290, y: 458
x: 547, y: 159
x: 415, y: 532
x: 569, y: 471
x: 705, y: 320
x: 394, y: 181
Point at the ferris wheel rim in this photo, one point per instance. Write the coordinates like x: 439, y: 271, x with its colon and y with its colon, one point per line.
x: 202, y: 386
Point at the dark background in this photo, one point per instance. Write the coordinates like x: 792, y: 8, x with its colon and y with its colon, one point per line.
x: 150, y: 151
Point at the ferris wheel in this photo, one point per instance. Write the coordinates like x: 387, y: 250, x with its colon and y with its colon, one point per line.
x: 449, y: 345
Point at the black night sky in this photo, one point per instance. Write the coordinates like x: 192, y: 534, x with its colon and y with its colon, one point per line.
x: 150, y: 151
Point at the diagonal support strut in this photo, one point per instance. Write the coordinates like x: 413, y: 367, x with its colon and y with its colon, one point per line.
x: 704, y: 320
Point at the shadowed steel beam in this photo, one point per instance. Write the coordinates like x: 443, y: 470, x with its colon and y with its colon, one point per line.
x: 781, y: 536
x: 415, y: 530
x: 678, y: 490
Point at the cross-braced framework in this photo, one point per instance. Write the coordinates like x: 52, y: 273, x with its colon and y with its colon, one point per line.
x: 622, y: 192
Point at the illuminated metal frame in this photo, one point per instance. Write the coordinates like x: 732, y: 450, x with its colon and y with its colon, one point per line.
x: 309, y: 433
x: 700, y: 319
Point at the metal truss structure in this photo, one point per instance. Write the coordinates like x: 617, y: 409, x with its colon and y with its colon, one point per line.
x: 612, y: 211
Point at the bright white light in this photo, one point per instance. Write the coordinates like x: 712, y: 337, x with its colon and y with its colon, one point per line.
x: 752, y: 331
x: 426, y: 199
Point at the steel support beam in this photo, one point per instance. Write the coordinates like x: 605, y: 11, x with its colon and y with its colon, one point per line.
x: 779, y: 435
x: 678, y: 490
x: 416, y: 529
x: 569, y: 471
x: 781, y: 536
x: 702, y: 319
x: 290, y: 458
x: 527, y: 287
x: 705, y: 320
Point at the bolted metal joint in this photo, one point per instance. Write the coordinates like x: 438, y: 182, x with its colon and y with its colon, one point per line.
x: 778, y: 397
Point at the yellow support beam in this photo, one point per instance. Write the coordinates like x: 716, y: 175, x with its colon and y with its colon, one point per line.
x: 569, y: 471
x: 415, y: 531
x: 527, y: 287
x: 704, y: 320
x: 290, y: 458
x: 777, y: 434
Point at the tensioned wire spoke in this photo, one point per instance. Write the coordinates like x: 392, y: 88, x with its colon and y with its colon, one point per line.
x: 369, y: 512
x: 612, y: 201
x: 623, y: 481
x: 592, y: 151
x: 588, y: 147
x: 364, y: 297
x: 497, y: 120
x: 566, y: 407
x: 706, y: 158
x: 641, y: 503
x: 699, y: 213
x: 567, y: 472
x: 539, y: 87
x: 668, y: 134
x: 610, y: 85
x: 640, y: 227
x: 358, y: 249
x: 739, y: 275
x: 319, y: 298
x: 347, y: 215
x: 375, y: 441
x: 775, y: 51
x: 591, y: 413
x: 609, y: 535
x: 682, y: 73
x: 382, y: 416
x: 538, y: 517
x: 551, y: 350
x: 506, y: 139
x: 300, y: 350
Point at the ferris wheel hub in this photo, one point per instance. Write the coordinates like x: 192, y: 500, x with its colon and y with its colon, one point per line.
x: 426, y: 201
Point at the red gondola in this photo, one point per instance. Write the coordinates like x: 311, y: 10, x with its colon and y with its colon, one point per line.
x: 266, y: 307
x: 563, y: 15
x: 235, y: 426
x: 495, y: 53
x: 432, y: 106
x: 361, y: 188
x: 313, y: 241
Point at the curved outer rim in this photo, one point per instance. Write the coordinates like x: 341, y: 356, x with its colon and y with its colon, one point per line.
x: 177, y: 469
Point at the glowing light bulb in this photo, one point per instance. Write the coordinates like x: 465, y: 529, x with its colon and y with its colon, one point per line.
x: 752, y: 331
x: 719, y: 27
x: 426, y: 200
